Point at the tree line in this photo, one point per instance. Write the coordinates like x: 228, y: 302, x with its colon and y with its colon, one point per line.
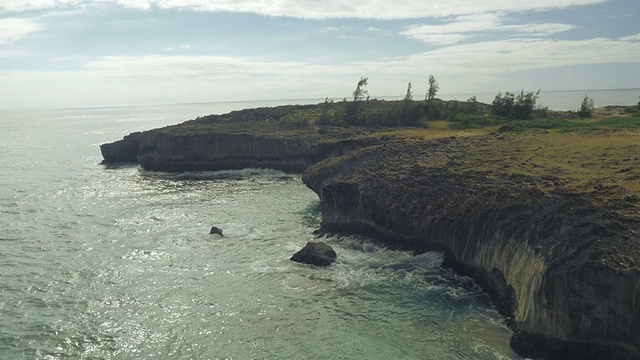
x: 361, y: 110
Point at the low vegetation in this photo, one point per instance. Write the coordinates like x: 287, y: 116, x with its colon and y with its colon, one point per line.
x: 508, y: 112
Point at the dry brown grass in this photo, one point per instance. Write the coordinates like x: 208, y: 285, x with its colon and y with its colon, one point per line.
x: 604, y: 166
x: 434, y: 133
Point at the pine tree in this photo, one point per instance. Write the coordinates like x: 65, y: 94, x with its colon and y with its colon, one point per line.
x: 409, y: 95
x: 433, y: 88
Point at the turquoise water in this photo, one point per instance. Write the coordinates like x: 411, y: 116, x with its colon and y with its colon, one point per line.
x: 117, y: 263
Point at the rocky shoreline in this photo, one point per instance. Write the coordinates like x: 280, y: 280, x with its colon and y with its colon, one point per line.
x: 556, y: 249
x: 564, y: 270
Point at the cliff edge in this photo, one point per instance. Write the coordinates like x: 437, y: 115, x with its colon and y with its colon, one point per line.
x: 560, y: 258
x: 253, y: 138
x: 548, y: 223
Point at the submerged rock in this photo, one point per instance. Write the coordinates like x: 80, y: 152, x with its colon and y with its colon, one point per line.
x: 315, y: 253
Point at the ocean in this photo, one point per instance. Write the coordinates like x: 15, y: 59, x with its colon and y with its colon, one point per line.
x: 116, y: 262
x: 104, y: 262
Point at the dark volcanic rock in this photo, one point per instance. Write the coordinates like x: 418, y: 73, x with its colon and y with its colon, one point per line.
x: 563, y: 269
x: 561, y: 263
x: 315, y: 253
x: 122, y: 151
x: 220, y: 148
x: 215, y: 230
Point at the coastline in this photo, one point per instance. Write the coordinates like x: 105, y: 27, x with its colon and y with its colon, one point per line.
x: 557, y: 253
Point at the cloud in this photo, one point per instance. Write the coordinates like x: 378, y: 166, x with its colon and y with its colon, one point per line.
x: 156, y: 78
x: 183, y: 66
x: 473, y: 59
x: 313, y: 9
x: 13, y: 29
x: 514, y: 55
x: 176, y: 48
x: 635, y: 37
x: 460, y: 28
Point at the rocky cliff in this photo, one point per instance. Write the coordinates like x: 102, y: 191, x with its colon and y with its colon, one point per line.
x: 548, y: 224
x: 563, y: 268
x: 218, y: 142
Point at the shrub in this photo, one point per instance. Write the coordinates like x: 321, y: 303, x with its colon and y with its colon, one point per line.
x: 472, y: 105
x: 518, y: 107
x: 525, y: 103
x: 294, y: 121
x: 502, y: 105
x: 586, y: 108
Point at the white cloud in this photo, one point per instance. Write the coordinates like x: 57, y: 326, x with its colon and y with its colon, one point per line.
x: 176, y: 48
x: 314, y: 9
x: 159, y: 78
x: 183, y: 66
x: 635, y: 37
x: 477, y: 59
x: 463, y: 27
x: 24, y: 5
x: 510, y: 56
x: 540, y: 29
x: 10, y: 53
x: 13, y: 29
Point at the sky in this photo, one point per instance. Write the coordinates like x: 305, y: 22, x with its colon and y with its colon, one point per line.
x: 61, y: 53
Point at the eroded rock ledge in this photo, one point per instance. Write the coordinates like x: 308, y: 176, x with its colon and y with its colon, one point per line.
x: 550, y: 231
x: 233, y: 141
x: 561, y: 266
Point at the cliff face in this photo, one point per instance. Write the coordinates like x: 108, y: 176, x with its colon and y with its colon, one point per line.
x: 213, y: 151
x: 161, y: 150
x: 122, y: 151
x: 565, y: 271
x: 553, y: 241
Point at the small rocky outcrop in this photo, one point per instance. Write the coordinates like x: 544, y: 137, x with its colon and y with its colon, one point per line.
x: 216, y: 230
x: 315, y: 253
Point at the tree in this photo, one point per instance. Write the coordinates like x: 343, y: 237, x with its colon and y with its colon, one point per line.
x: 353, y: 110
x: 586, y: 108
x: 433, y: 88
x: 409, y: 95
x: 360, y: 93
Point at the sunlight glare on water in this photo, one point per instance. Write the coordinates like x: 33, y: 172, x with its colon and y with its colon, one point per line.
x: 117, y: 263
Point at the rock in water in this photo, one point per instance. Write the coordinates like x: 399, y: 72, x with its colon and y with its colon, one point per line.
x: 315, y: 253
x: 215, y: 230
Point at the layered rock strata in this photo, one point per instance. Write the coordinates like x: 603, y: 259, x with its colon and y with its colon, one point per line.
x: 162, y: 150
x: 564, y: 270
x: 562, y: 265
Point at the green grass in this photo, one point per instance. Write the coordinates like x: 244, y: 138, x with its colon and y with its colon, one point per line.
x: 614, y: 122
x: 477, y: 122
x: 379, y: 116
